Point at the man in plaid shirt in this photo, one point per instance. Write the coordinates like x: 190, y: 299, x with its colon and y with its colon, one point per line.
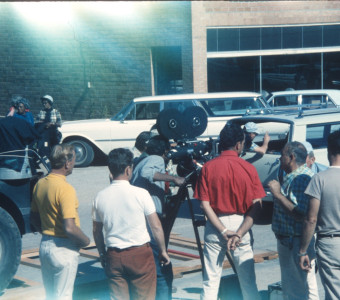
x: 290, y: 208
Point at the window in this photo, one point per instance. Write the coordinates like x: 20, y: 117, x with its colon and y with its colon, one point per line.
x: 147, y: 111
x: 233, y: 74
x: 265, y: 38
x: 179, y: 105
x: 230, y: 106
x: 317, y: 134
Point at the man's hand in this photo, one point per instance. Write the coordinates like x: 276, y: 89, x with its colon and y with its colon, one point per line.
x: 164, y: 258
x: 228, y: 234
x: 102, y: 259
x: 179, y: 180
x: 275, y: 187
x: 234, y: 241
x: 266, y: 138
x: 305, y: 263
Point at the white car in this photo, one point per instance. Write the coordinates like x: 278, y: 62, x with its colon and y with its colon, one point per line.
x: 309, y: 99
x: 94, y: 137
x: 313, y: 126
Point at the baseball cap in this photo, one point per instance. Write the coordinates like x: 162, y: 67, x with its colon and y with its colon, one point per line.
x: 251, y: 127
x: 47, y: 97
x: 308, y: 146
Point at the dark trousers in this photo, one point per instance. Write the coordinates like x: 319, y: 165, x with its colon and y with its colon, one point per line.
x: 131, y: 273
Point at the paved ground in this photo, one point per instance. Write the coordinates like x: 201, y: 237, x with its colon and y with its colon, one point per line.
x: 88, y: 182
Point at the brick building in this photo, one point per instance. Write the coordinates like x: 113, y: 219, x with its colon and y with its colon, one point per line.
x: 96, y: 60
x: 99, y: 59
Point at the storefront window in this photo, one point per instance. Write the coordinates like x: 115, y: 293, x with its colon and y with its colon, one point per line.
x: 233, y: 74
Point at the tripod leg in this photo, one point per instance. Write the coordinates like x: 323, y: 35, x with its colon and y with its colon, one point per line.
x: 194, y: 223
x: 230, y: 259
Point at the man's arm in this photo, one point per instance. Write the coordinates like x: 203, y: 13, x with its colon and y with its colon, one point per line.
x: 35, y: 221
x: 308, y: 232
x: 75, y: 234
x: 215, y: 221
x: 158, y: 234
x: 98, y: 237
x: 166, y: 177
x: 289, y: 206
x: 263, y: 149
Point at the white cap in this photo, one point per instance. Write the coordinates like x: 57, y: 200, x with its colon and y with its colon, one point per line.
x: 308, y: 146
x: 251, y: 127
x: 47, y: 97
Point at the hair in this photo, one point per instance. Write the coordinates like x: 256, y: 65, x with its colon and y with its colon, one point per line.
x: 333, y: 146
x: 16, y: 100
x: 142, y: 140
x: 298, y: 150
x: 61, y: 154
x: 311, y: 154
x: 230, y: 135
x: 157, y: 145
x: 118, y: 160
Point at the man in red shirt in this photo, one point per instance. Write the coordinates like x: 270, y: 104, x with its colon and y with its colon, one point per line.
x: 230, y: 192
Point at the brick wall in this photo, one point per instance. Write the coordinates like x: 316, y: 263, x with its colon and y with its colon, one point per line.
x: 250, y: 13
x: 110, y: 52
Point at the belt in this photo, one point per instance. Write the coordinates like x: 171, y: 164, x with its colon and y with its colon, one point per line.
x: 127, y: 249
x: 281, y: 237
x: 320, y: 235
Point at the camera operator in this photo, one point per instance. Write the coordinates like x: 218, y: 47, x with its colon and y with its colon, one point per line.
x: 230, y: 192
x: 149, y: 173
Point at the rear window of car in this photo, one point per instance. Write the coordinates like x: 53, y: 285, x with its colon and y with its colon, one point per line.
x: 316, y: 101
x: 231, y: 106
x: 318, y: 134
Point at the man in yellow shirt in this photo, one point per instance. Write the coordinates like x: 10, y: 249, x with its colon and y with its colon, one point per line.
x: 54, y: 213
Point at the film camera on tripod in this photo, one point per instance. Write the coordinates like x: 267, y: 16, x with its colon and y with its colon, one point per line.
x: 189, y: 155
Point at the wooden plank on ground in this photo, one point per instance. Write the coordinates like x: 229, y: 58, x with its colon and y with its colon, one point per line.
x: 35, y: 263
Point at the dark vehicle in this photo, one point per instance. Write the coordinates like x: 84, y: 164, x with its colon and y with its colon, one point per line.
x: 19, y: 172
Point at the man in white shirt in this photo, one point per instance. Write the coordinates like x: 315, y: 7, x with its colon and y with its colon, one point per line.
x: 123, y: 210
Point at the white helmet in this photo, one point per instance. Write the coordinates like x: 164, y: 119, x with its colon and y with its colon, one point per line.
x: 47, y: 97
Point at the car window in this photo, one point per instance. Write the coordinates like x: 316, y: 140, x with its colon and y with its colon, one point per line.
x: 147, y: 111
x: 317, y: 134
x: 316, y: 101
x: 180, y: 105
x: 231, y: 106
x: 284, y: 100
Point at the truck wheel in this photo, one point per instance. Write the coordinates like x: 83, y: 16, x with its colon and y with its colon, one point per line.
x: 10, y: 248
x: 84, y: 153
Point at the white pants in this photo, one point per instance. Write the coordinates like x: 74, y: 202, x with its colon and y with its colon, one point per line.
x: 215, y: 248
x: 313, y: 293
x: 59, y: 264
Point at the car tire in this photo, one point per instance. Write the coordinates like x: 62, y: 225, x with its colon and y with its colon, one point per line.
x: 84, y: 153
x: 10, y: 248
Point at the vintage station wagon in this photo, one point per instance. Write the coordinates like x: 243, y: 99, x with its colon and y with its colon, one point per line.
x: 93, y: 137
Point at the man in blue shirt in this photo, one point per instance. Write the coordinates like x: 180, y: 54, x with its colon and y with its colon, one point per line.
x: 290, y: 207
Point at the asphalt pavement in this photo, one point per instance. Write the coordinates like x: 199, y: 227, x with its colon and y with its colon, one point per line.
x: 90, y: 282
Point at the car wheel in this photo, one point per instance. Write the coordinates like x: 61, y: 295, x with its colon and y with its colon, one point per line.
x: 10, y: 248
x: 84, y: 153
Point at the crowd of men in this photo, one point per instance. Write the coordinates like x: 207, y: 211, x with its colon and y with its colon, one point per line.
x: 127, y: 215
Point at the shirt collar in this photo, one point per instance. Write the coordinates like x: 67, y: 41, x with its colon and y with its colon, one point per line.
x: 229, y: 153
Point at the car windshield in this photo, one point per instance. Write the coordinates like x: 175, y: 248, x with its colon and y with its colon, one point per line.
x: 231, y: 106
x: 123, y: 112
